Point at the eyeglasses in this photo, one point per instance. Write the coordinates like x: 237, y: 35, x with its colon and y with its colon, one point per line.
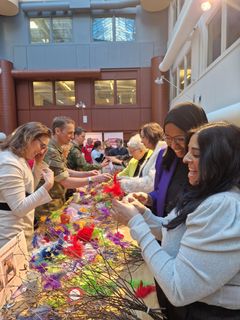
x: 43, y: 146
x: 176, y: 139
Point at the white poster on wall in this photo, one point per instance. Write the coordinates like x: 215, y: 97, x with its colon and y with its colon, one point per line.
x: 112, y: 136
x: 94, y: 135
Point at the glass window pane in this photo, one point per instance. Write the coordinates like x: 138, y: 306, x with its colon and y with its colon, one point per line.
x: 174, y: 11
x: 214, y: 38
x: 40, y: 30
x: 125, y: 29
x: 104, y: 92
x: 42, y: 93
x: 65, y: 92
x: 181, y: 76
x: 102, y: 29
x: 126, y: 91
x: 189, y: 69
x: 180, y: 3
x: 62, y: 29
x: 233, y: 21
x: 174, y: 86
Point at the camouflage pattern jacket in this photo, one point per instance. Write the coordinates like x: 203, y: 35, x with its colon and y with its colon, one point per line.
x: 55, y: 159
x: 76, y: 160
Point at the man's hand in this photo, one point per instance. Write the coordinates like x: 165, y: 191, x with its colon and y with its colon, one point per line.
x: 102, y: 177
x: 105, y: 163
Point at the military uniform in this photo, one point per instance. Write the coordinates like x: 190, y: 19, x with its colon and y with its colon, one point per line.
x: 76, y: 160
x: 55, y: 159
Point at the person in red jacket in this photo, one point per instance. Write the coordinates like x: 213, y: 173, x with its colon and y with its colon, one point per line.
x: 87, y: 149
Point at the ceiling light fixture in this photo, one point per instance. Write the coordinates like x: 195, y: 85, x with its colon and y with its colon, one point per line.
x: 206, y: 5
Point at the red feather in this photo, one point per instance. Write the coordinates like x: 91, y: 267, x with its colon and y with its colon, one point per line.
x: 115, y: 189
x: 142, y: 291
x: 85, y: 234
x: 75, y: 250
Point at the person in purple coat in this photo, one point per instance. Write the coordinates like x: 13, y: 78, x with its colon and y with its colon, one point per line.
x: 172, y: 175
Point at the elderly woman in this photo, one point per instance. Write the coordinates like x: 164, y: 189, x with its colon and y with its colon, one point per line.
x: 141, y: 170
x: 17, y: 184
x: 140, y: 154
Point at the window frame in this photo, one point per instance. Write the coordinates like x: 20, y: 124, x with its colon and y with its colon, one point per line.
x: 50, y: 17
x: 115, y: 94
x: 113, y: 17
x: 54, y: 105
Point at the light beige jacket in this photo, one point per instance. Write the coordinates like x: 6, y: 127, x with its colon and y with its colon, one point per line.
x: 17, y: 179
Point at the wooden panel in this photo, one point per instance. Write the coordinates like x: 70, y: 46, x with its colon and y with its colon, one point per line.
x: 22, y: 93
x: 46, y: 117
x: 115, y: 119
x: 23, y: 117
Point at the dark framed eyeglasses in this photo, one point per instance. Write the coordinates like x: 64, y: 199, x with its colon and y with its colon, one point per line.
x: 43, y: 146
x: 177, y: 139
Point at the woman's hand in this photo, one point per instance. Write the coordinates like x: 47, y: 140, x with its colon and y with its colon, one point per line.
x: 48, y: 177
x: 123, y: 211
x: 142, y: 197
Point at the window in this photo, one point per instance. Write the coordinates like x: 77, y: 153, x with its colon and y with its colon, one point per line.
x: 233, y: 22
x: 65, y: 92
x: 181, y: 76
x: 110, y: 92
x: 104, y: 92
x: 47, y: 93
x: 174, y: 86
x: 126, y: 91
x: 113, y: 29
x: 214, y: 38
x: 55, y: 29
x: 42, y: 93
x: 188, y: 69
x: 40, y: 30
x: 176, y: 7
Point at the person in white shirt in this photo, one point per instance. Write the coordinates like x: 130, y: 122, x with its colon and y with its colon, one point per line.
x: 18, y: 182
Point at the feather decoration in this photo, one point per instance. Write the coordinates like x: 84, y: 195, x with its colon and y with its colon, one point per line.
x: 85, y: 234
x: 143, y: 291
x: 115, y: 190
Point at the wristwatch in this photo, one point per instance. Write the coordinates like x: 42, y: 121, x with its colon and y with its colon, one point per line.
x: 90, y: 180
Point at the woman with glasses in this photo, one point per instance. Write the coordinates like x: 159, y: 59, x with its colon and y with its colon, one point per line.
x: 18, y: 182
x: 197, y: 265
x: 172, y: 174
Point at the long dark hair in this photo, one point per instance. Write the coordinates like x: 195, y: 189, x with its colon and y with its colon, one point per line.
x: 219, y: 167
x: 185, y: 116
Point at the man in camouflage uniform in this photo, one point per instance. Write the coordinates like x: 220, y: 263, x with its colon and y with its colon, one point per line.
x: 76, y: 159
x: 64, y: 178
